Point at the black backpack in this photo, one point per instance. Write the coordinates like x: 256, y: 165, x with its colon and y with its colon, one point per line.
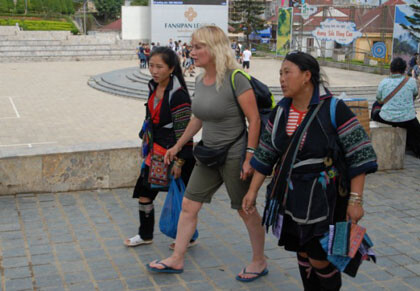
x: 265, y: 99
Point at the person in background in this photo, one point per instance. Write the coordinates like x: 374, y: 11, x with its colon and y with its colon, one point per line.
x: 169, y: 109
x: 400, y: 109
x: 312, y: 157
x: 223, y: 124
x: 412, y: 63
x: 246, y: 59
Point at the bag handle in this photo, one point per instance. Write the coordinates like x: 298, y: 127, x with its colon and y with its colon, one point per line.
x: 395, y: 91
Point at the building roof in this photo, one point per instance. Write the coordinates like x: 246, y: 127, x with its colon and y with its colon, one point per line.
x: 114, y: 26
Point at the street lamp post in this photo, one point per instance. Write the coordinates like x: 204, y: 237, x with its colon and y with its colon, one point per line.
x: 84, y: 16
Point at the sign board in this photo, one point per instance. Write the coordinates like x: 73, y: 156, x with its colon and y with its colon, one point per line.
x: 339, y: 31
x: 307, y: 10
x: 284, y: 31
x: 178, y: 19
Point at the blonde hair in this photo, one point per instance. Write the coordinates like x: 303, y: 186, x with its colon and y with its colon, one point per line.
x: 218, y: 45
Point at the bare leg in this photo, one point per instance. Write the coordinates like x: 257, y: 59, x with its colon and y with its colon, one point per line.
x: 186, y: 227
x: 257, y: 238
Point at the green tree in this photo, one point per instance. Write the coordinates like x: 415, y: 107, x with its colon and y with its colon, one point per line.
x: 108, y: 9
x: 11, y: 5
x: 4, y: 7
x: 53, y: 6
x: 70, y: 7
x: 414, y: 27
x: 20, y: 6
x: 36, y: 6
x: 140, y: 3
x: 247, y: 16
x: 63, y: 6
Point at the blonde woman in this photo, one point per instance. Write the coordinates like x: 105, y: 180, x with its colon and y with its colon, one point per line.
x: 218, y: 114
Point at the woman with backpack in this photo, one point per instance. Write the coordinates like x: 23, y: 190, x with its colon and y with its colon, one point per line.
x: 224, y: 132
x: 321, y: 160
x: 168, y: 111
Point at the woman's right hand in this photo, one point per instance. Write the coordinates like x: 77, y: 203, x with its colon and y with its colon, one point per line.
x: 171, y: 154
x: 249, y: 202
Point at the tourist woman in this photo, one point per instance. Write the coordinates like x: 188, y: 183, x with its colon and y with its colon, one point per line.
x: 316, y: 157
x: 169, y: 110
x: 399, y: 110
x: 221, y: 118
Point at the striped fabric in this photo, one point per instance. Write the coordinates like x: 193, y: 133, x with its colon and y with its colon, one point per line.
x: 295, y: 119
x: 181, y: 115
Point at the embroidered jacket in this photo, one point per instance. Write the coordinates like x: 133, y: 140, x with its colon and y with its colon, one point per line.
x: 175, y: 113
x: 310, y: 194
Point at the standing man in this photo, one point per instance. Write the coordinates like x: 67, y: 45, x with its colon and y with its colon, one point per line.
x: 246, y: 58
x: 171, y: 44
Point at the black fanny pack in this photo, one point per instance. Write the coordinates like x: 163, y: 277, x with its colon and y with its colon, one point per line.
x: 213, y: 157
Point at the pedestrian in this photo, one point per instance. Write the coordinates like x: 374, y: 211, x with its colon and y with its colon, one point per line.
x: 169, y: 109
x: 314, y: 160
x: 246, y: 58
x: 413, y: 62
x: 221, y: 118
x: 171, y: 44
x: 399, y: 110
x: 147, y: 54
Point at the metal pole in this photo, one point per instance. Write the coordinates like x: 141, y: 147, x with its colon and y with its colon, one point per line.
x: 84, y: 17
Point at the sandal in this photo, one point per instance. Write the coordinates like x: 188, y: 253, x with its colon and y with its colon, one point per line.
x: 136, y: 241
x: 191, y: 244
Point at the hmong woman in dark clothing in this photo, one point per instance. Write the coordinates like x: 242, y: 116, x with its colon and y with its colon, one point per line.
x: 169, y: 110
x: 321, y: 166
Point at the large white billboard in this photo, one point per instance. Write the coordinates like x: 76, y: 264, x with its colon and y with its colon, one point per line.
x: 178, y: 19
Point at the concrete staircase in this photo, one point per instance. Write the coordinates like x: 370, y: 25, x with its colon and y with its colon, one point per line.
x: 25, y: 46
x: 132, y: 82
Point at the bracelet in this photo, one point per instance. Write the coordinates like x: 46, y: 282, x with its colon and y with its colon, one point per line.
x: 355, y: 194
x: 250, y: 150
x: 179, y: 163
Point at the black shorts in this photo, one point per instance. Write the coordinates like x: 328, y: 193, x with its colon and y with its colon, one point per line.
x: 245, y: 64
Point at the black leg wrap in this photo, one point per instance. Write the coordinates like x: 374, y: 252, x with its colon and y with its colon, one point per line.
x: 147, y: 220
x: 310, y: 280
x: 329, y: 278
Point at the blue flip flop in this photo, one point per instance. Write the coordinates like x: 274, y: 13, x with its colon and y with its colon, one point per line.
x: 166, y: 269
x: 247, y: 280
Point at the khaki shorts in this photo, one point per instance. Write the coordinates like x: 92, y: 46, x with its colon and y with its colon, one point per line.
x: 205, y: 181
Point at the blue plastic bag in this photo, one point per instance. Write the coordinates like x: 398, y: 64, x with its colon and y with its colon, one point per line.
x: 171, y: 210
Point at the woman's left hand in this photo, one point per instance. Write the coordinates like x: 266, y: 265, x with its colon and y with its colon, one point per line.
x: 247, y: 170
x: 355, y: 213
x: 176, y: 172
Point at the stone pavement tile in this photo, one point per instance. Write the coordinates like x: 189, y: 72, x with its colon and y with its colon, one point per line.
x: 40, y: 270
x: 94, y: 254
x: 42, y: 259
x: 200, y: 286
x: 48, y: 281
x: 141, y: 282
x: 403, y: 259
x: 380, y: 275
x: 116, y: 241
x: 19, y: 284
x: 11, y: 235
x: 371, y: 287
x: 125, y: 260
x: 39, y: 249
x: 112, y: 285
x: 104, y: 274
x: 12, y: 244
x: 89, y: 244
x: 132, y: 271
x: 76, y: 278
x: 413, y: 282
x: 395, y: 284
x: 70, y: 267
x: 100, y: 264
x: 122, y: 250
x: 400, y: 272
x: 19, y: 272
x: 69, y: 256
x: 83, y: 286
x: 10, y: 253
x: 164, y: 279
x: 86, y: 235
x: 387, y: 251
x: 386, y: 262
x: 15, y: 262
x: 193, y: 275
x: 414, y: 268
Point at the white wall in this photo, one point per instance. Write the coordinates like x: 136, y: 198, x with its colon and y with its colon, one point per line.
x: 135, y: 22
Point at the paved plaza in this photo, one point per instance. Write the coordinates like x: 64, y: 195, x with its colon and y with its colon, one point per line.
x: 49, y: 106
x: 74, y: 241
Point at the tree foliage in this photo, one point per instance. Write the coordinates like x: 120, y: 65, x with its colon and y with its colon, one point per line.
x: 108, y: 9
x: 140, y: 3
x: 36, y: 6
x: 11, y: 5
x: 20, y: 6
x: 414, y: 27
x: 4, y: 7
x: 247, y: 16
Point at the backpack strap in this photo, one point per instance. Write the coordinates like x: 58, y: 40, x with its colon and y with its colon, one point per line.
x: 333, y: 107
x: 232, y: 78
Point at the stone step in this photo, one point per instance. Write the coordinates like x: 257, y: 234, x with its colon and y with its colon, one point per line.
x: 31, y: 42
x: 102, y: 86
x: 57, y: 47
x: 101, y: 52
x: 50, y: 58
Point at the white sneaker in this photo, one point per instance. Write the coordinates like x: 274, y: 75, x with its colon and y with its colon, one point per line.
x: 136, y: 241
